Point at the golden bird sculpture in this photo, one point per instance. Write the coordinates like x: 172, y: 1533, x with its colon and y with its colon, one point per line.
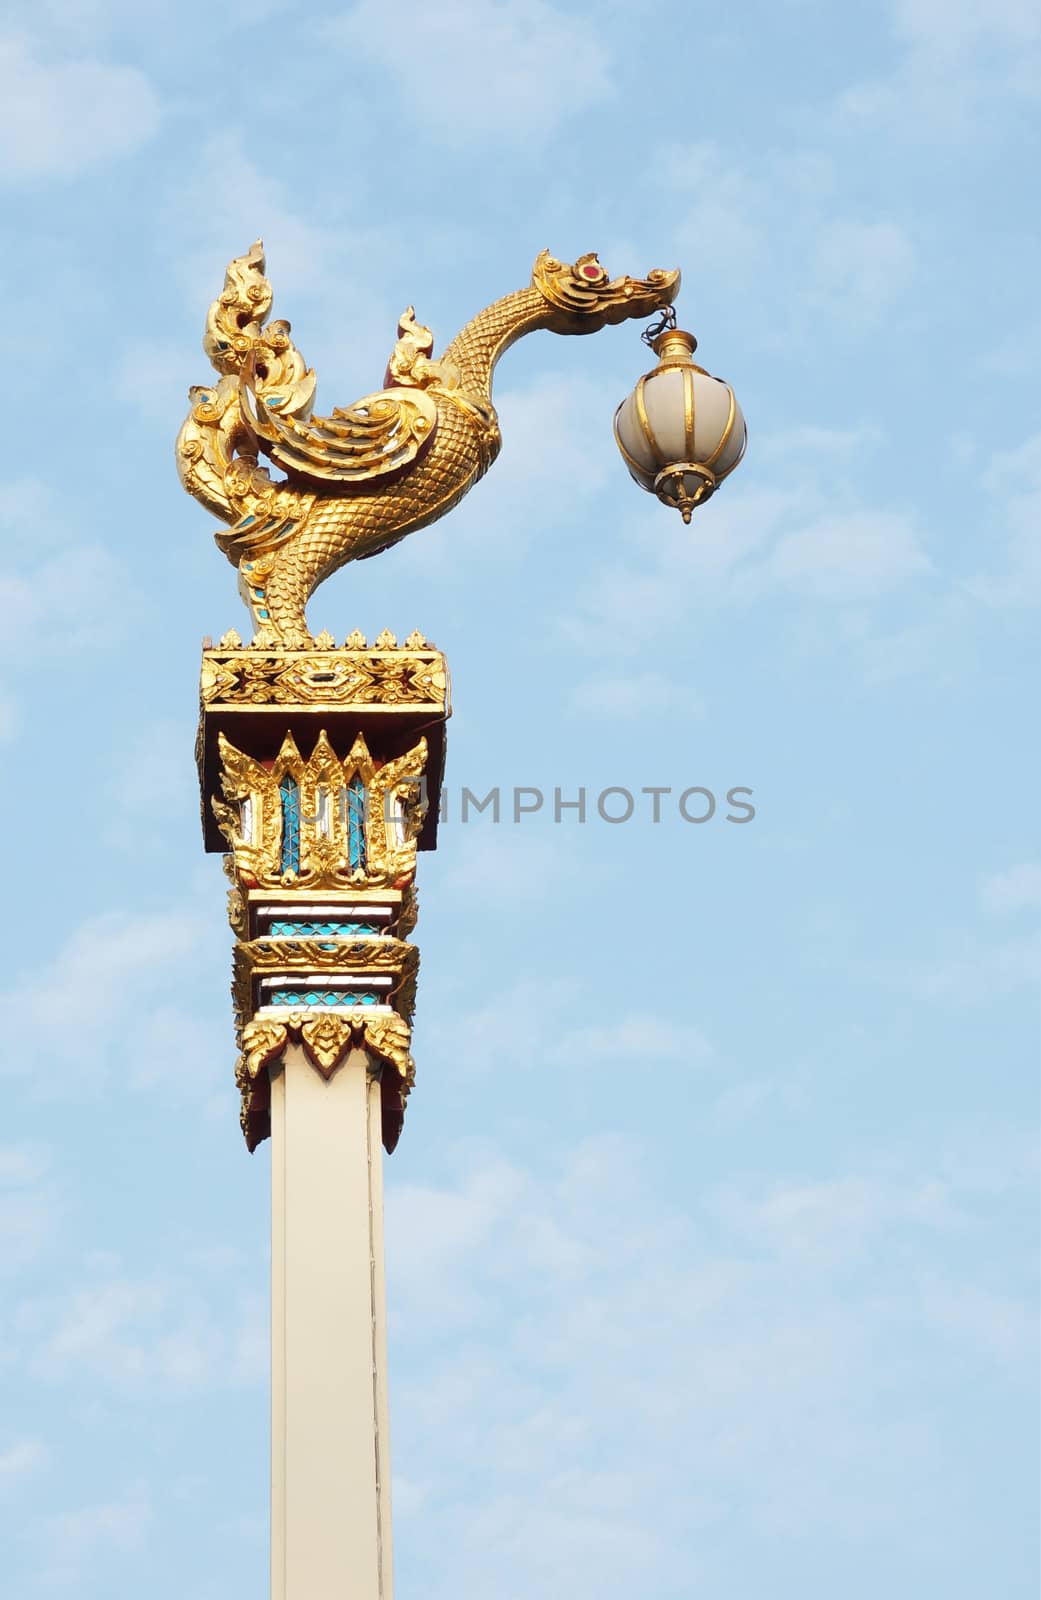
x: 362, y: 478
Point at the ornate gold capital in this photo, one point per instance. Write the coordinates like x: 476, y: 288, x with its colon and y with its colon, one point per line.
x: 320, y: 802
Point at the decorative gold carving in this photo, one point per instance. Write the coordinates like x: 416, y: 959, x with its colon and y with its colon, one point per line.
x: 358, y: 676
x: 587, y: 290
x: 331, y: 959
x: 382, y: 434
x: 408, y: 916
x: 326, y: 1041
x: 238, y: 916
x: 358, y: 481
x: 250, y: 816
x: 263, y: 1043
x: 389, y: 1038
x: 329, y: 872
x: 374, y: 953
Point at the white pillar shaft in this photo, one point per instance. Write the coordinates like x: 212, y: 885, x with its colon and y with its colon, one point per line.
x: 330, y: 1466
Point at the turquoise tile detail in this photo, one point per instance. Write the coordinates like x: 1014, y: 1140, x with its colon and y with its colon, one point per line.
x: 316, y: 930
x: 320, y: 997
x: 289, y: 793
x: 356, y: 842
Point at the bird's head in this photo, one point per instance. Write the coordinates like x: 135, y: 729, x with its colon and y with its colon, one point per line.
x: 583, y: 298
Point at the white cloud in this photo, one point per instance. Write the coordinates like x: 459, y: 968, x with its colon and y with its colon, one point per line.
x: 557, y: 454
x: 810, y: 439
x: 122, y: 1523
x: 639, y: 694
x: 1013, y: 483
x: 1001, y: 1326
x: 83, y: 598
x: 853, y: 556
x: 110, y: 965
x: 733, y: 206
x: 527, y: 868
x: 153, y: 784
x: 805, y: 534
x: 970, y: 971
x: 152, y: 377
x: 508, y: 69
x: 926, y: 645
x: 507, y: 1029
x: 56, y: 586
x: 785, y: 213
x: 326, y: 276
x: 531, y: 1026
x: 642, y: 1036
x: 170, y: 1329
x: 676, y: 571
x: 943, y: 632
x: 10, y: 718
x: 91, y: 977
x: 432, y: 1230
x: 22, y: 1164
x: 1016, y: 353
x: 28, y: 1205
x: 828, y: 1220
x: 959, y: 60
x: 61, y: 120
x: 20, y: 1460
x: 30, y: 503
x: 759, y: 1345
x: 1017, y: 888
x: 860, y: 268
x: 303, y: 255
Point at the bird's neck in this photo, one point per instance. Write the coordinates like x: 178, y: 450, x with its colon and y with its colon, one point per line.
x: 477, y: 348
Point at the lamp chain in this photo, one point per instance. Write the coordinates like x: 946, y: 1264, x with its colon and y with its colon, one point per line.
x: 667, y: 319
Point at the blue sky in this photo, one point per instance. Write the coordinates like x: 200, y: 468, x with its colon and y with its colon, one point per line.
x: 712, y: 1234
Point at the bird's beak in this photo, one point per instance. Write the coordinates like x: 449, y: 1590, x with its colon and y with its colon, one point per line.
x: 625, y: 298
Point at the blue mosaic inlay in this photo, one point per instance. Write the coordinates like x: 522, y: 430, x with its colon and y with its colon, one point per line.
x: 356, y: 797
x: 315, y: 930
x: 319, y: 997
x: 289, y: 792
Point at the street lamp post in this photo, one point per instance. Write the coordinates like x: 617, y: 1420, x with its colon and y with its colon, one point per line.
x: 320, y: 768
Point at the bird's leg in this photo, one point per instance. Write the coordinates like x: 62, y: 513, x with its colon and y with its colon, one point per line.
x: 285, y: 589
x: 253, y: 576
x: 272, y: 629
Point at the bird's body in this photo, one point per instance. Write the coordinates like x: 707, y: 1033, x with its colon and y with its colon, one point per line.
x: 364, y: 478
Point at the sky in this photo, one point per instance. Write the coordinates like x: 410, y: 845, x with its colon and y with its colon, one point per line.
x: 712, y: 1234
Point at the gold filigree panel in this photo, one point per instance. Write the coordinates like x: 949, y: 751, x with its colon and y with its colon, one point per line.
x: 327, y: 678
x: 251, y: 817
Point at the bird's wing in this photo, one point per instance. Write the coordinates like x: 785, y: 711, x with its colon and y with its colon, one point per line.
x: 380, y: 435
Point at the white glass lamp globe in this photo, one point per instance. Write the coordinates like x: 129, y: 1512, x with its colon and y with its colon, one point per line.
x: 681, y: 431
